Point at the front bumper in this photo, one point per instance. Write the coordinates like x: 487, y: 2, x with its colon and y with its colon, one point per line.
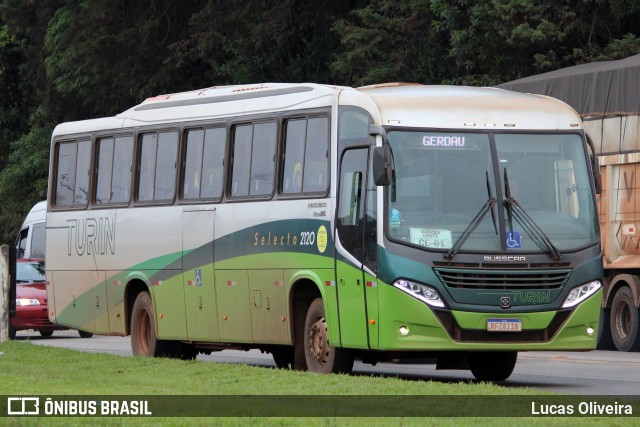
x: 408, y: 324
x: 33, y: 317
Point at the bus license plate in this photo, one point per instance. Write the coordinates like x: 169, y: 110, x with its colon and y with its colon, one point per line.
x: 504, y: 325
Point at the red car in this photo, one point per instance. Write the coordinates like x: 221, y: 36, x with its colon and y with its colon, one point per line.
x: 31, y: 300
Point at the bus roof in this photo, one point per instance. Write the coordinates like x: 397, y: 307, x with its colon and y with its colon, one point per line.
x: 400, y: 104
x: 225, y: 101
x: 458, y: 107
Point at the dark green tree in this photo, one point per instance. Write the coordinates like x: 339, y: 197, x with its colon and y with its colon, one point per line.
x: 64, y: 60
x: 231, y: 42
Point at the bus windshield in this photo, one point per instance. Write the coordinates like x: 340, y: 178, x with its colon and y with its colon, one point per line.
x: 444, y: 182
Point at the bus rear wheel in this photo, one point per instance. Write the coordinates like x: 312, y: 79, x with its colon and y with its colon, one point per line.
x: 492, y: 365
x: 85, y: 334
x: 624, y: 321
x: 144, y: 341
x: 320, y: 355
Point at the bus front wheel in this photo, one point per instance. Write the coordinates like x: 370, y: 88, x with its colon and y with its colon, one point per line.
x: 492, y: 365
x: 320, y: 355
x: 144, y: 341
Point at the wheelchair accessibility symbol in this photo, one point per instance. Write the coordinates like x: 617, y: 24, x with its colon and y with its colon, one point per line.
x: 513, y: 240
x: 198, y: 277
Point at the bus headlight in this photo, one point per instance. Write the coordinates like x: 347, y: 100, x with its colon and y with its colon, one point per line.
x: 581, y: 293
x: 422, y: 292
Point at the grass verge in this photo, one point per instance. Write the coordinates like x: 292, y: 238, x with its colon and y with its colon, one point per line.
x: 28, y: 369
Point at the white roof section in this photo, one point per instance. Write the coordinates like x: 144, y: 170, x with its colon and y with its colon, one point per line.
x: 37, y: 213
x: 399, y: 104
x: 211, y: 103
x: 225, y: 101
x: 413, y: 105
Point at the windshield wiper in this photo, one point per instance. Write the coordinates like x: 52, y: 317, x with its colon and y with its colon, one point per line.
x: 514, y: 209
x: 488, y: 206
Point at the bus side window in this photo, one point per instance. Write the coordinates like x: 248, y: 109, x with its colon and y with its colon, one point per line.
x: 158, y: 156
x: 316, y: 156
x: 104, y: 146
x: 294, y: 155
x: 115, y: 157
x: 122, y: 170
x: 204, y: 163
x: 215, y: 141
x: 350, y: 212
x: 254, y: 147
x: 165, y: 180
x: 263, y: 159
x: 241, y: 160
x: 350, y: 198
x: 306, y: 159
x: 191, y: 186
x: 73, y: 162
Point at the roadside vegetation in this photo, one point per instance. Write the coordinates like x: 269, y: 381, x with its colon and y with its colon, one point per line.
x: 66, y: 60
x: 29, y: 370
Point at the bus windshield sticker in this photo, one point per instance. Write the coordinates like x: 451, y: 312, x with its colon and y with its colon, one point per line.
x: 394, y: 217
x: 443, y: 141
x: 431, y: 237
x: 514, y: 240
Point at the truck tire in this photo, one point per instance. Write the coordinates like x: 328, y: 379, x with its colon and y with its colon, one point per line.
x: 624, y: 321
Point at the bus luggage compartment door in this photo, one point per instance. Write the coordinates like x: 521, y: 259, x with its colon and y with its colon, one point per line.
x: 198, y: 277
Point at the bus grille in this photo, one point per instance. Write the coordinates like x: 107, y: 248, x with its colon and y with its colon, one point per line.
x: 484, y: 279
x: 478, y: 335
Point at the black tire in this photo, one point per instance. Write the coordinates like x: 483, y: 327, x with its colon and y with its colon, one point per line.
x: 12, y: 331
x: 85, y: 334
x: 492, y: 365
x: 144, y: 341
x: 283, y: 357
x: 624, y: 321
x: 183, y: 351
x: 45, y: 334
x: 605, y: 341
x: 320, y: 355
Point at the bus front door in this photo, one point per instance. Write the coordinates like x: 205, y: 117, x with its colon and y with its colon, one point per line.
x: 350, y: 235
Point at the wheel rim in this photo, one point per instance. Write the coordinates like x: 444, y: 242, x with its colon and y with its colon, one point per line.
x: 623, y: 320
x: 143, y: 326
x: 318, y: 342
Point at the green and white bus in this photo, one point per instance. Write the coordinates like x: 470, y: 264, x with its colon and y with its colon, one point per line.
x: 324, y: 224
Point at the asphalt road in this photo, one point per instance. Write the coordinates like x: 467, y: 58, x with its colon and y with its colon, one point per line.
x: 588, y: 373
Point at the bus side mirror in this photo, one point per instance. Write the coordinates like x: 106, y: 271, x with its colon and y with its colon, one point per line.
x: 595, y: 166
x: 381, y: 166
x: 381, y: 158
